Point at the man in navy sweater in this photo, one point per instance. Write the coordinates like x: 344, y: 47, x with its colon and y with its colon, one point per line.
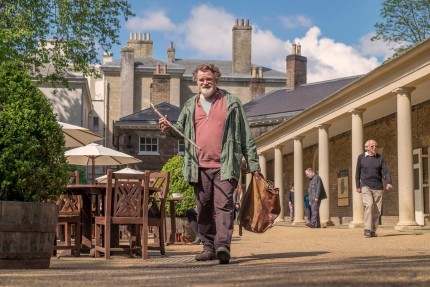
x: 371, y: 170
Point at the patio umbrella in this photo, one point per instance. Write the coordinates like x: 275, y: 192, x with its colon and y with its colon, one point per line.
x: 102, y: 179
x: 95, y: 154
x: 78, y: 136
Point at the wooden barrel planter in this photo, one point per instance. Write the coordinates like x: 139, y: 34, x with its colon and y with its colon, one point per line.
x: 27, y: 233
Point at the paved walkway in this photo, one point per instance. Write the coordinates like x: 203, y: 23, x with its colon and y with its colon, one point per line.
x: 283, y: 256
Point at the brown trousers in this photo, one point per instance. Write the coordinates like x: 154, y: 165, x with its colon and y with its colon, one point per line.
x: 214, y: 198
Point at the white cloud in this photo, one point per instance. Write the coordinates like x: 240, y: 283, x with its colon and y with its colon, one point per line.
x: 267, y: 49
x: 328, y: 59
x: 208, y: 32
x: 156, y: 20
x: 378, y: 48
x: 292, y: 22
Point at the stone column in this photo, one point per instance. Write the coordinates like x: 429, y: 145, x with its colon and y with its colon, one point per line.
x: 263, y: 164
x: 404, y: 154
x: 323, y: 171
x: 299, y: 205
x: 357, y: 144
x: 279, y: 181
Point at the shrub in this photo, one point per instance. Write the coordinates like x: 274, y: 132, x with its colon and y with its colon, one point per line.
x: 33, y: 167
x: 179, y: 185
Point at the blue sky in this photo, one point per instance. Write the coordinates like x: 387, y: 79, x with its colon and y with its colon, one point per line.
x: 334, y: 34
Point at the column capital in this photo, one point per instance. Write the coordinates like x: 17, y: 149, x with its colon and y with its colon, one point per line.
x: 278, y: 146
x: 356, y: 111
x: 298, y: 138
x: 262, y: 153
x: 323, y: 126
x: 403, y: 90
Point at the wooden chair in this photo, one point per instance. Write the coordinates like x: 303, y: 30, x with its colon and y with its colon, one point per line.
x: 157, y: 208
x: 69, y: 217
x: 126, y: 202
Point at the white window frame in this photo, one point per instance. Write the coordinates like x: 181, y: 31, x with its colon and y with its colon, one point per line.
x: 151, y: 144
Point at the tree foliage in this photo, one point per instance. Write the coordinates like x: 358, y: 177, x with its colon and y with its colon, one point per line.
x: 179, y: 185
x: 52, y: 37
x: 406, y: 23
x: 33, y: 167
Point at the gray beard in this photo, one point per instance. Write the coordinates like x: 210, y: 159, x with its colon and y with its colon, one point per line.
x: 208, y: 92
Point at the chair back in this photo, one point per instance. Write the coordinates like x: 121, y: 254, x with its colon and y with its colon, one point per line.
x: 126, y: 194
x: 74, y: 177
x: 159, y: 188
x: 70, y: 205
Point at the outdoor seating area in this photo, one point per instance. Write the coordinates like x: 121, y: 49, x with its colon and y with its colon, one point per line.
x: 95, y: 213
x: 122, y: 211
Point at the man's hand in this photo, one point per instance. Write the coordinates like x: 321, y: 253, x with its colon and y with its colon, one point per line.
x: 358, y: 190
x: 389, y: 186
x: 164, y: 126
x: 257, y: 173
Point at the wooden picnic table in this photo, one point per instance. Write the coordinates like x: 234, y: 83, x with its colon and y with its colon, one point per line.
x: 88, y: 192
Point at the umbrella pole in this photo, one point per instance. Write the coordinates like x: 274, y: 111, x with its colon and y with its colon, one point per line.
x: 93, y: 161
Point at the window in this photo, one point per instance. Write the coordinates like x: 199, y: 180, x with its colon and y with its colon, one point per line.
x: 148, y: 145
x: 96, y: 123
x: 181, y: 147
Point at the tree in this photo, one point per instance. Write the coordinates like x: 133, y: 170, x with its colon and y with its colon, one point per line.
x: 53, y: 37
x: 33, y: 167
x: 179, y: 185
x: 406, y: 23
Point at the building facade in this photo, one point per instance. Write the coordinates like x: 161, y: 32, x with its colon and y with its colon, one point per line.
x: 389, y: 104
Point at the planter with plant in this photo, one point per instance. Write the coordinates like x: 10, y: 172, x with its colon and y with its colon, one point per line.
x: 33, y: 171
x: 179, y: 185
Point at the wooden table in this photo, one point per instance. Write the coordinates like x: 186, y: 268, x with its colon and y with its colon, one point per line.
x: 172, y: 201
x: 87, y: 191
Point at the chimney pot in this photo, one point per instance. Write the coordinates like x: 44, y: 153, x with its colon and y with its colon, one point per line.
x: 254, y: 72
x: 260, y: 72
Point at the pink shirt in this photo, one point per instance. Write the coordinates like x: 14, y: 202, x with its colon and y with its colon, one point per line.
x: 210, y: 130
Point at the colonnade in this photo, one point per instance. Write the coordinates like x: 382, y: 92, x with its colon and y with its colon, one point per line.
x: 405, y: 173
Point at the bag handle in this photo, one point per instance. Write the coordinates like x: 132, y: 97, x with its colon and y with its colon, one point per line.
x: 268, y: 184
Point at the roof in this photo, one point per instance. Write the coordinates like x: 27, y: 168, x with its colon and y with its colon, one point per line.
x: 187, y: 66
x: 225, y: 68
x: 149, y: 117
x: 288, y: 101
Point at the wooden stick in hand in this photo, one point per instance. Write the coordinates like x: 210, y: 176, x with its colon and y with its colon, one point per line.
x: 173, y: 127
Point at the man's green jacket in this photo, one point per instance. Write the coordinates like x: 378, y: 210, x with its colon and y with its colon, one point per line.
x: 237, y: 141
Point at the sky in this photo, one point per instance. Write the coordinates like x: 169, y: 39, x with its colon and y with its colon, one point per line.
x: 334, y: 34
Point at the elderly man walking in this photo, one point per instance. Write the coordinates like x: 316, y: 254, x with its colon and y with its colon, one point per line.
x: 216, y: 121
x: 371, y: 170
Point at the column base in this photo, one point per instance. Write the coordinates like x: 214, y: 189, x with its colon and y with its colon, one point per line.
x: 280, y: 219
x: 327, y: 224
x: 407, y: 225
x: 356, y: 224
x: 300, y: 223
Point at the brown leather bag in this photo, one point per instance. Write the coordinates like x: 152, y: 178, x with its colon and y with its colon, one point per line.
x: 260, y: 205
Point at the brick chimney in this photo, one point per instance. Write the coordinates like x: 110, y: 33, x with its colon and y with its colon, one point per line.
x: 141, y: 43
x: 257, y: 85
x: 127, y: 82
x: 160, y: 86
x: 242, y: 42
x: 171, y: 53
x: 296, y: 68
